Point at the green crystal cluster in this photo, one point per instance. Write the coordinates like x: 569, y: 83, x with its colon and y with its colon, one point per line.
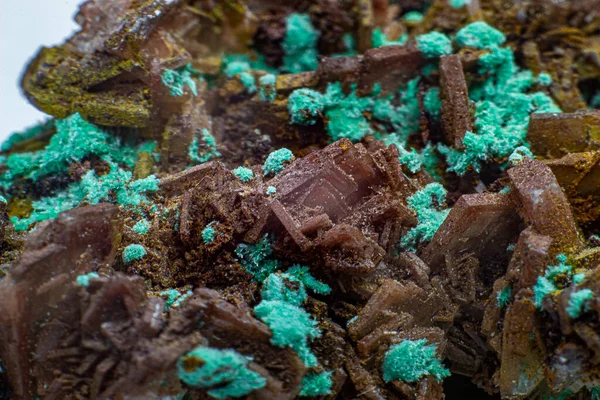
x: 224, y: 373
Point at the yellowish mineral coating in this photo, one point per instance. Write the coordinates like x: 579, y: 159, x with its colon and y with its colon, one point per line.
x: 61, y: 94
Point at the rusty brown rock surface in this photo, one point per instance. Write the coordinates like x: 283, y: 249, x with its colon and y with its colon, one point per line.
x: 457, y: 116
x: 78, y: 242
x: 544, y: 205
x: 555, y: 135
x: 481, y: 224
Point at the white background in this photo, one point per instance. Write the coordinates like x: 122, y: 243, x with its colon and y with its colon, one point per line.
x: 26, y: 25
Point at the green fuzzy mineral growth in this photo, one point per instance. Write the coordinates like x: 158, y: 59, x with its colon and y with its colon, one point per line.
x: 426, y: 203
x: 411, y: 360
x: 208, y: 233
x: 27, y: 134
x: 564, y: 395
x: 459, y: 3
x: 267, y: 91
x: 595, y: 102
x: 172, y: 295
x: 346, y: 113
x: 275, y: 162
x: 271, y: 190
x: 577, y: 300
x: 544, y: 79
x: 548, y: 284
x: 402, y: 118
x: 578, y: 278
x: 174, y: 298
x: 411, y: 159
x: 316, y: 384
x: 74, y: 140
x: 479, y: 35
x: 503, y: 297
x: 245, y: 174
x: 93, y: 189
x: 204, y: 148
x: 177, y: 79
x: 256, y: 258
x: 300, y: 44
x: 519, y: 154
x: 142, y: 226
x: 181, y: 298
x: 248, y: 81
x: 84, y: 280
x: 305, y: 106
x: 379, y: 39
x: 433, y: 103
x: 236, y: 67
x: 133, y: 252
x: 302, y: 273
x: 434, y: 44
x: 412, y: 16
x: 542, y: 288
x: 223, y: 373
x: 240, y: 69
x: 503, y: 103
x: 283, y: 287
x: 291, y: 327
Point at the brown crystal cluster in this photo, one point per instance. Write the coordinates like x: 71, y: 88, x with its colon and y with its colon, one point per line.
x: 338, y: 201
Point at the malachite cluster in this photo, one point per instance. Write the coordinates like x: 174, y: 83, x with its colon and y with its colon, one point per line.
x: 577, y: 302
x: 177, y: 79
x: 300, y: 44
x: 412, y: 16
x: 208, y: 233
x: 434, y: 44
x: 411, y: 360
x: 84, y: 280
x: 459, y: 3
x: 223, y: 373
x: 174, y: 297
x: 427, y: 204
x: 203, y: 148
x: 291, y: 326
x: 142, y: 226
x: 242, y: 69
x: 133, y: 252
x: 283, y: 294
x: 305, y: 106
x: 75, y: 140
x: 380, y: 39
x: 503, y: 102
x: 555, y: 279
x: 267, y: 91
x: 503, y: 297
x: 276, y: 161
x: 256, y: 258
x: 281, y: 310
x: 244, y: 174
x: 346, y: 113
x: 314, y: 385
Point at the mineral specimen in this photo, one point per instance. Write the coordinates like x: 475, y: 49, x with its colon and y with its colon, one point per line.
x: 335, y: 199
